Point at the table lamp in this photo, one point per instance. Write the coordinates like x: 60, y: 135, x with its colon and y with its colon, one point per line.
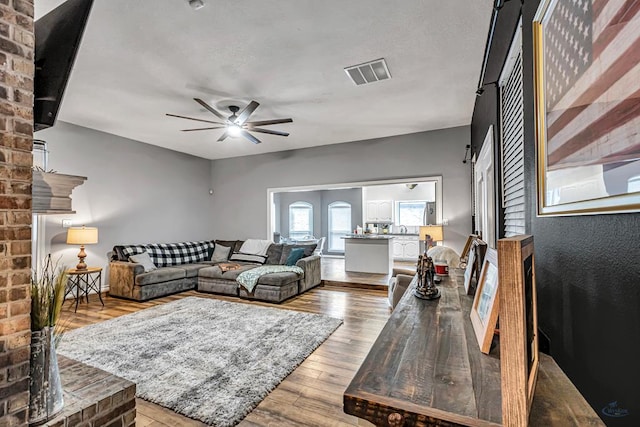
x: 82, y: 236
x: 431, y: 234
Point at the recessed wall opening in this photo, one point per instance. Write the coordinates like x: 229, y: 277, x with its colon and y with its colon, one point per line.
x: 394, y: 196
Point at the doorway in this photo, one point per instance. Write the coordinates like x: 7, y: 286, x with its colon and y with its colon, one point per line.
x: 336, y: 195
x: 484, y: 191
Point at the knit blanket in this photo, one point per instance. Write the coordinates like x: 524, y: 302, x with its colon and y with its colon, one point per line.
x: 249, y: 279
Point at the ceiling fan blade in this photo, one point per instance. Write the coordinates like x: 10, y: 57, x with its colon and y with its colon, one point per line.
x: 223, y: 136
x: 248, y: 110
x: 191, y: 130
x: 209, y: 108
x: 268, y: 122
x: 191, y: 118
x: 250, y: 137
x: 271, y: 132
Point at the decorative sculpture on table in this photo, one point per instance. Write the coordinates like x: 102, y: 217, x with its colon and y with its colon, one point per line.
x: 426, y: 288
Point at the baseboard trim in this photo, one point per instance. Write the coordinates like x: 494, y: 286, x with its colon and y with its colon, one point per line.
x: 355, y: 285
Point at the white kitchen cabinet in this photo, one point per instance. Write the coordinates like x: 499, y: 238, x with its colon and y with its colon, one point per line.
x: 385, y: 210
x: 412, y: 249
x: 406, y: 248
x: 379, y: 211
x: 398, y: 248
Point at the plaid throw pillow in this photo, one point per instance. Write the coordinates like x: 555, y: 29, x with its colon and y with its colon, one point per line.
x: 168, y: 254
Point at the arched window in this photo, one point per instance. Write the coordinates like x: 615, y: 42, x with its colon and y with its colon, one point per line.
x: 339, y: 225
x: 300, y: 220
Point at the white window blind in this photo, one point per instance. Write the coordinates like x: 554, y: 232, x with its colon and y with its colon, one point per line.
x: 512, y: 110
x: 339, y: 225
x: 300, y: 220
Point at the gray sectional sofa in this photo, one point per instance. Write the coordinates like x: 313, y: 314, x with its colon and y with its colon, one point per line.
x: 188, y: 265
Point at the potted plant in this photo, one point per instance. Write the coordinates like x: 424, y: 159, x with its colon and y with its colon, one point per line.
x: 47, y: 295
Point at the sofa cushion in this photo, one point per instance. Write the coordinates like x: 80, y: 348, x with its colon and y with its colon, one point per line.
x: 255, y: 246
x: 253, y: 258
x: 117, y: 254
x: 123, y: 252
x: 168, y: 254
x: 160, y: 275
x: 235, y: 245
x: 397, y: 287
x: 278, y: 279
x: 294, y: 256
x: 216, y: 273
x: 274, y: 253
x: 144, y: 260
x: 191, y: 270
x: 286, y: 250
x: 220, y: 253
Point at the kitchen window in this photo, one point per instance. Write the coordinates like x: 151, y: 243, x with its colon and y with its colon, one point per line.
x: 411, y: 213
x: 300, y: 220
x: 339, y: 225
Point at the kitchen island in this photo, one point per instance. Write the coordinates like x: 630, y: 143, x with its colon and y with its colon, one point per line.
x: 365, y: 253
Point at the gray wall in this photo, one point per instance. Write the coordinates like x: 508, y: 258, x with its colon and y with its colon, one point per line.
x: 134, y: 193
x: 240, y: 184
x: 349, y: 195
x: 587, y: 270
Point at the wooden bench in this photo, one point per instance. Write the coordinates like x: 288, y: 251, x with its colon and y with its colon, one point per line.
x: 426, y: 369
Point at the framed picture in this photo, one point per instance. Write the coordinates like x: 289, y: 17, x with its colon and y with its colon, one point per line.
x: 484, y: 311
x: 475, y: 258
x: 469, y: 269
x: 587, y: 115
x: 518, y: 328
x: 467, y: 246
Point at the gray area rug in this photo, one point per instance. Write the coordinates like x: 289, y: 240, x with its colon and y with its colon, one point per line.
x: 210, y: 360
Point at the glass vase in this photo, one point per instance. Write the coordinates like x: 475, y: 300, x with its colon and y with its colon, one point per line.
x: 45, y: 389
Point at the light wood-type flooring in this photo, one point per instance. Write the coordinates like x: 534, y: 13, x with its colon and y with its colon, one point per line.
x: 312, y: 394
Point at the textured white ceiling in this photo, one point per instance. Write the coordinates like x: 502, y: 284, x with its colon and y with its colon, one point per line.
x: 144, y: 58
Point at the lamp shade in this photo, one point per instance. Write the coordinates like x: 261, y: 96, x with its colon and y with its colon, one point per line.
x: 435, y: 231
x: 82, y: 235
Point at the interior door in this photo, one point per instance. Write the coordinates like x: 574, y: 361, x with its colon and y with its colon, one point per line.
x: 485, y: 191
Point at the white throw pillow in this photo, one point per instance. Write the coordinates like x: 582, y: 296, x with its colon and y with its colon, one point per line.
x: 255, y: 246
x: 220, y: 253
x: 145, y: 260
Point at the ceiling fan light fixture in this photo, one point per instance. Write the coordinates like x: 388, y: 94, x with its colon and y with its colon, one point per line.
x: 234, y: 130
x: 236, y: 125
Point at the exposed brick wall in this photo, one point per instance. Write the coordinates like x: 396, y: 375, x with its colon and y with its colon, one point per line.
x: 94, y: 397
x: 16, y: 139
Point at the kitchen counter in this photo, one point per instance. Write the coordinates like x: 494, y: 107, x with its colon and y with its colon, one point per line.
x: 379, y: 235
x: 367, y: 236
x: 368, y: 253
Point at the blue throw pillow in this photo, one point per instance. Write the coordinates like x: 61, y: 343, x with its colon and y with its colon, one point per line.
x: 294, y: 256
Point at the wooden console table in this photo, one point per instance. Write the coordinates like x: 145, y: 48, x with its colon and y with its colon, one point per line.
x: 426, y: 369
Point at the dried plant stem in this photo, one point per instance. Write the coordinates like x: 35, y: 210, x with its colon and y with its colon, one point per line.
x: 47, y: 295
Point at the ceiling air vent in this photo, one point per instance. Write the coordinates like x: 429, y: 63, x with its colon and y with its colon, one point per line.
x: 368, y: 72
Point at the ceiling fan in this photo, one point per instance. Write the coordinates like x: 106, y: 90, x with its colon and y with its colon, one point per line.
x: 236, y: 124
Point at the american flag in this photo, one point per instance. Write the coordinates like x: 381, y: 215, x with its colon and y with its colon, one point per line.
x: 568, y: 47
x: 592, y: 79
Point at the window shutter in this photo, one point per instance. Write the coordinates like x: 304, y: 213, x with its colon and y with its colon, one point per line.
x: 513, y: 149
